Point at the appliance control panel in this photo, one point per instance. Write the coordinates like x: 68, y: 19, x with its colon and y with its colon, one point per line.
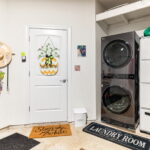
x: 118, y: 76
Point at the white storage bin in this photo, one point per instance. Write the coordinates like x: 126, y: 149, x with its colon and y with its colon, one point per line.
x: 80, y: 117
x: 145, y: 48
x: 145, y: 120
x: 145, y: 95
x: 145, y: 71
x: 145, y: 1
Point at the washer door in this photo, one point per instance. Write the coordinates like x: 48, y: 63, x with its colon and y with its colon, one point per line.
x: 117, y: 54
x: 116, y: 99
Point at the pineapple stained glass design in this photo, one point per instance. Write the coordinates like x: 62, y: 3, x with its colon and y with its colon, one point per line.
x: 48, y: 58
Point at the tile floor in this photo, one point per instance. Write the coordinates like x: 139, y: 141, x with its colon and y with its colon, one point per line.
x: 78, y: 141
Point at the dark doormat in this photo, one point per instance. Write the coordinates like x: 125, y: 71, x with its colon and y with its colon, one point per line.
x: 117, y: 136
x: 17, y: 142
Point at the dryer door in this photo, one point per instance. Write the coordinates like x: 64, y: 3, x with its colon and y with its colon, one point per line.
x: 117, y: 54
x: 116, y: 99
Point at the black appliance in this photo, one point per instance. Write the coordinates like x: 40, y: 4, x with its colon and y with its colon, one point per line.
x: 120, y: 80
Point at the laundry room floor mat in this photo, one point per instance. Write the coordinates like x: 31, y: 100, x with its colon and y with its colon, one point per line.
x: 50, y: 131
x: 17, y: 142
x: 117, y: 136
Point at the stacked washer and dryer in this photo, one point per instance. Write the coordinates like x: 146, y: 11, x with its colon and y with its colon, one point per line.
x: 120, y: 80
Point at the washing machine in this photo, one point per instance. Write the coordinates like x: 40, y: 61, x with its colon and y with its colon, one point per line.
x: 120, y: 79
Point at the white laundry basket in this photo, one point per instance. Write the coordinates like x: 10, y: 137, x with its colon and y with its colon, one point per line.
x: 80, y: 117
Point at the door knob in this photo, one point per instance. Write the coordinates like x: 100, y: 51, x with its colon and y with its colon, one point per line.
x: 63, y: 81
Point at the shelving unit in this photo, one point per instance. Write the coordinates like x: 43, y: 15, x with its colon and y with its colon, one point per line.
x: 124, y: 14
x: 144, y: 85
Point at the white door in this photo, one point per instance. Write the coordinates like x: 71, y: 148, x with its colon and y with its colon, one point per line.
x: 48, y: 74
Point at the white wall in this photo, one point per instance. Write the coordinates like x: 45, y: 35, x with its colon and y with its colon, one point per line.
x: 77, y: 14
x: 4, y: 97
x: 99, y: 33
x: 136, y: 25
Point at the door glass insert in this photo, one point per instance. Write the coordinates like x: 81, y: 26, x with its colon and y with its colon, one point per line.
x: 116, y: 99
x: 117, y: 54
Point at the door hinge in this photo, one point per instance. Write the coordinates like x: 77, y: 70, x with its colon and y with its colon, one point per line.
x: 29, y: 38
x: 29, y: 108
x: 29, y: 73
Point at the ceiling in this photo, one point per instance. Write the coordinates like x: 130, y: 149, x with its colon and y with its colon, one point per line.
x: 107, y: 4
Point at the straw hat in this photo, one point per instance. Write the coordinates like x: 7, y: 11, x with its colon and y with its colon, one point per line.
x: 5, y: 55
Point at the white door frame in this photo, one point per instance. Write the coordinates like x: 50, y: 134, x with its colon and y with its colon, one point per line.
x: 69, y: 67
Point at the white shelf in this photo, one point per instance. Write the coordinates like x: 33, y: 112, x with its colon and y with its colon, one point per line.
x: 124, y: 14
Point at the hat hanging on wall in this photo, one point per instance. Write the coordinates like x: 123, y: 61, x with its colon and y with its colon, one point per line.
x: 5, y: 55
